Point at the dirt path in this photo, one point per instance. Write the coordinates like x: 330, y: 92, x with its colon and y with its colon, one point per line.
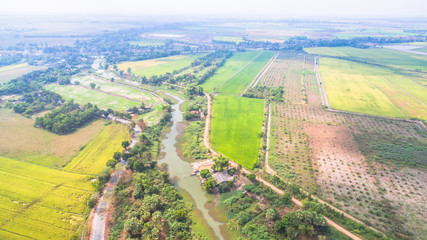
x: 274, y: 188
x: 323, y: 95
x: 268, y: 169
x: 234, y: 74
x: 99, y: 214
x: 206, y: 135
x: 259, y: 76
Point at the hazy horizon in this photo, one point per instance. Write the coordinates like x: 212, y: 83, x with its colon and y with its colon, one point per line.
x: 267, y: 9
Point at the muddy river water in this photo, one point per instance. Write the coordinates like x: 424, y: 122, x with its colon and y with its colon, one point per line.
x: 181, y: 170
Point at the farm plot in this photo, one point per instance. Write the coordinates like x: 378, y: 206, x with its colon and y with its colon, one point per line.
x: 236, y: 125
x: 158, y: 66
x: 83, y: 95
x: 384, y: 57
x: 94, y: 156
x: 290, y: 153
x: 231, y: 66
x: 41, y: 203
x: 369, y: 89
x: 294, y: 72
x: 242, y: 79
x: 378, y: 194
x: 16, y: 70
x: 21, y: 141
x: 110, y: 87
x: 360, y: 163
x: 358, y: 124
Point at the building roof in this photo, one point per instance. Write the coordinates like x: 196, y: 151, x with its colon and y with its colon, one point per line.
x: 221, y: 177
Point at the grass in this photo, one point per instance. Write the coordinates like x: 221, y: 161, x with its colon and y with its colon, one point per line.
x: 94, y: 156
x: 40, y: 203
x: 231, y: 66
x: 390, y: 58
x: 16, y: 70
x: 21, y: 141
x: 371, y: 89
x: 236, y: 124
x: 110, y: 87
x: 158, y: 66
x: 83, y: 96
x: 241, y: 80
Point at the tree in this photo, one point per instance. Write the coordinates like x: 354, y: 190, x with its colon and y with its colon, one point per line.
x: 125, y: 144
x: 272, y: 214
x: 252, y: 177
x: 286, y: 198
x: 111, y: 163
x: 220, y: 163
x: 204, y: 173
x: 92, y: 85
x: 210, y: 184
x: 117, y: 155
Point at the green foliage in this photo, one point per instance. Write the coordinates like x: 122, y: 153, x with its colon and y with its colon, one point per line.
x: 210, y: 184
x: 275, y: 93
x: 66, y: 119
x: 112, y: 163
x: 301, y: 222
x: 252, y: 177
x: 392, y: 150
x: 125, y: 144
x: 220, y: 163
x: 204, y: 173
x: 36, y: 102
x: 193, y: 144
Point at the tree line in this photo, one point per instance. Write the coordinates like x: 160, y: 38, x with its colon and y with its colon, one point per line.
x: 67, y: 118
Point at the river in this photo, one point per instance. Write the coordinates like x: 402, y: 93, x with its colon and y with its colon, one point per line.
x: 181, y: 170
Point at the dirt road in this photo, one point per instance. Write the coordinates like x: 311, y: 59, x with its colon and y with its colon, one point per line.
x: 99, y: 218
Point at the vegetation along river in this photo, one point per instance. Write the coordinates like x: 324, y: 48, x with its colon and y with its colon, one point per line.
x: 181, y: 170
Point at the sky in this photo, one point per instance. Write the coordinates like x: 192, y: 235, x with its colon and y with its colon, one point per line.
x: 226, y: 8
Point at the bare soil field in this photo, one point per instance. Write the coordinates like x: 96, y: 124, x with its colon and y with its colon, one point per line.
x: 323, y: 152
x: 294, y: 72
x: 388, y: 198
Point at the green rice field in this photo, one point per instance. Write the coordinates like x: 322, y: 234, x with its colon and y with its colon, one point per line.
x: 236, y: 124
x: 230, y: 67
x: 241, y: 80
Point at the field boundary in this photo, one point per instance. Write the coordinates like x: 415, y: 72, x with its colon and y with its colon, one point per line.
x: 259, y: 75
x: 322, y: 89
x: 234, y: 74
